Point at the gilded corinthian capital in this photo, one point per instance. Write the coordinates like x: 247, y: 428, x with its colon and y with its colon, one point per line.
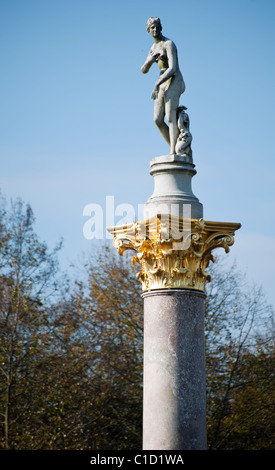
x: 173, y: 252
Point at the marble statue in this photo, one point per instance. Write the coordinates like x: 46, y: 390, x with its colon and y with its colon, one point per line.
x: 169, y: 86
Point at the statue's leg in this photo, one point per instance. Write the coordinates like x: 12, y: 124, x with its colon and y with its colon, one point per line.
x: 172, y: 97
x: 159, y: 113
x: 171, y: 116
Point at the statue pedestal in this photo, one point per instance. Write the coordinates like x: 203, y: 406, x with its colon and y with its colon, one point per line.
x: 173, y: 188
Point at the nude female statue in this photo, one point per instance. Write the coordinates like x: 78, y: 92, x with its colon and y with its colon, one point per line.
x: 170, y: 84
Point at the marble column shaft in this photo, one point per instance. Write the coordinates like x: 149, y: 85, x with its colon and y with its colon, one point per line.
x: 174, y: 400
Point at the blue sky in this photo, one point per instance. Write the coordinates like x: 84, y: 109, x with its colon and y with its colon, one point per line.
x: 76, y: 114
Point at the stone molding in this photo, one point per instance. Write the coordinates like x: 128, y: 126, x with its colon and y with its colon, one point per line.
x: 173, y: 291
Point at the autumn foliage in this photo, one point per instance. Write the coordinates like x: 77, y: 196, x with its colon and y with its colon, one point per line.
x: 71, y: 350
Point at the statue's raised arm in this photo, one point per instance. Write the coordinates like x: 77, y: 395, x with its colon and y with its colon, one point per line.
x: 169, y: 86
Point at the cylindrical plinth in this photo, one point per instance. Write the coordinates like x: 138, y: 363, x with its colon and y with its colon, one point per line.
x: 172, y: 188
x: 174, y: 397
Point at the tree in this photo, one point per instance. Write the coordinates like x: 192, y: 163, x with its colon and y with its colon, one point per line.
x: 239, y: 361
x: 112, y: 306
x: 27, y: 271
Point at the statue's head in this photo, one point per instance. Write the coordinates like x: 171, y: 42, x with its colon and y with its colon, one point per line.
x: 154, y: 21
